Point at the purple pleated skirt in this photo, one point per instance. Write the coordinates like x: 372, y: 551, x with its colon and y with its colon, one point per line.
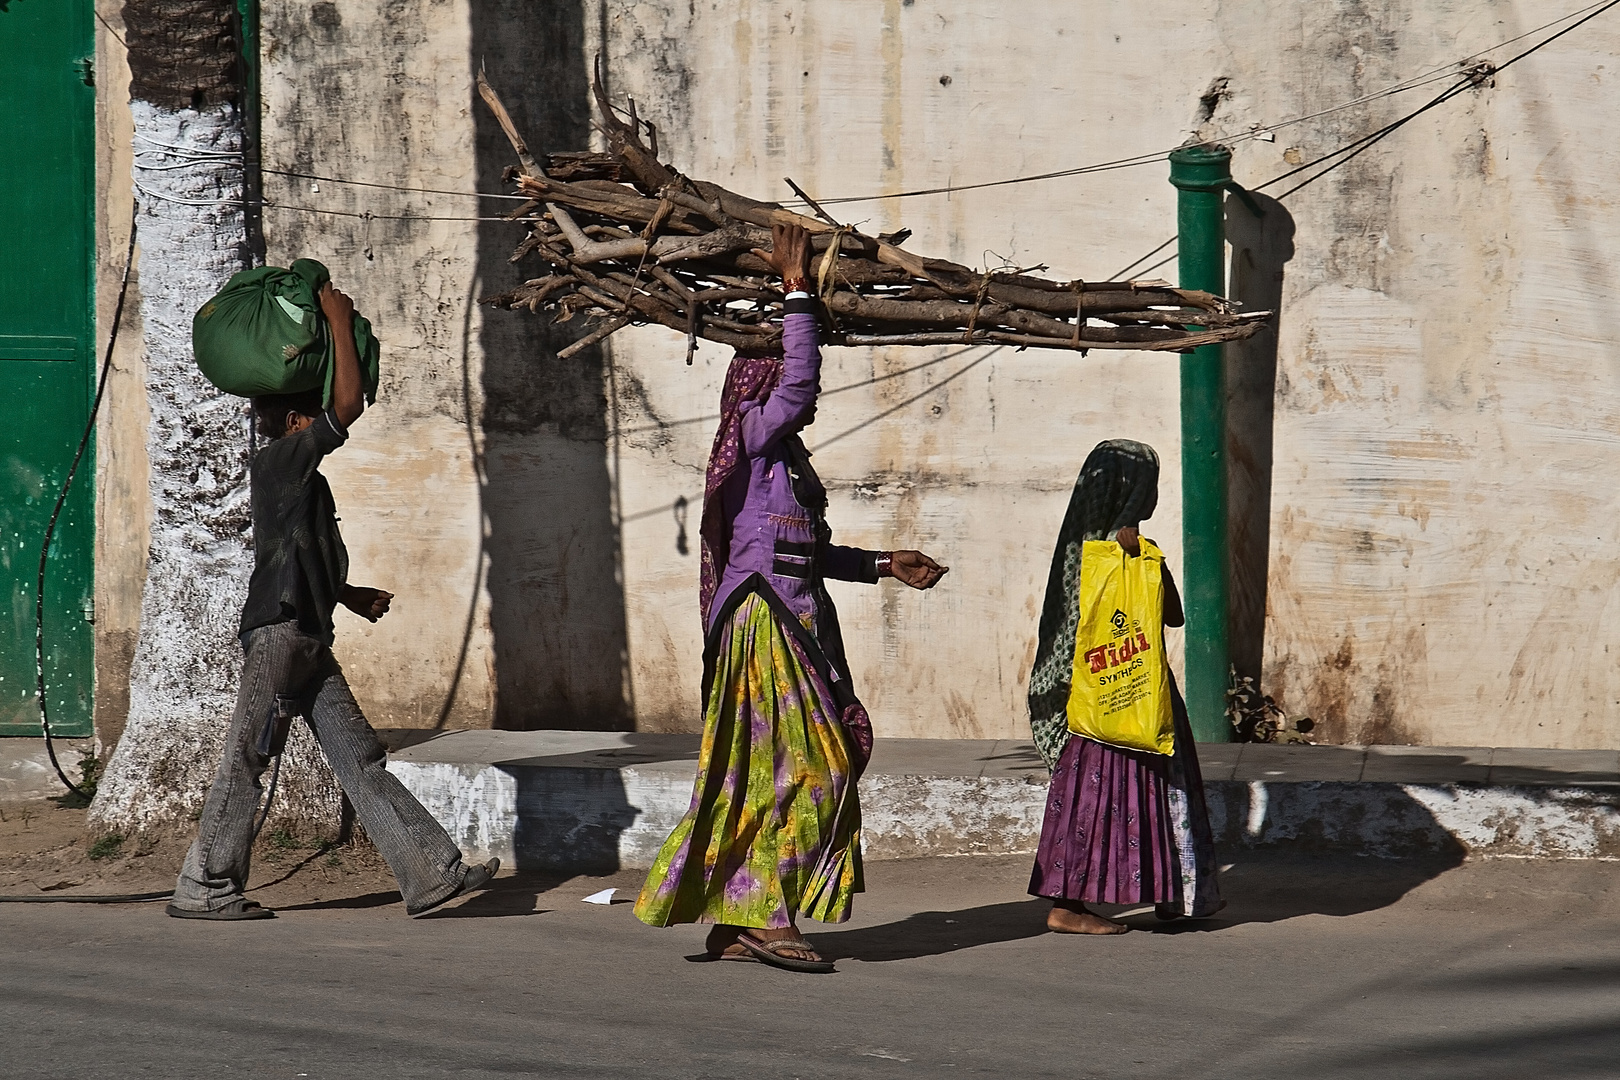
x: 1126, y: 827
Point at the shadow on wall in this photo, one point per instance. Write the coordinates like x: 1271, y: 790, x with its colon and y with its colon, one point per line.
x: 570, y: 820
x: 1261, y: 246
x: 556, y: 602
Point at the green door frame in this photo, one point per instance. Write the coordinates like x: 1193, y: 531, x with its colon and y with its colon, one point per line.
x: 47, y: 355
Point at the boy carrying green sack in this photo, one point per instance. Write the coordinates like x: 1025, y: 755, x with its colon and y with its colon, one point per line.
x: 300, y: 576
x: 265, y: 333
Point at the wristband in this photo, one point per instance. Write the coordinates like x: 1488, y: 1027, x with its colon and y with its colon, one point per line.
x: 885, y: 564
x: 795, y: 284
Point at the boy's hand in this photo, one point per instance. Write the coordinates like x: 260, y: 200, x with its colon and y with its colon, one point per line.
x: 339, y: 309
x: 348, y: 396
x: 369, y: 604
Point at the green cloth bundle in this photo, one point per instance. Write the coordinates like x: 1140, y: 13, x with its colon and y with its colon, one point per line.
x: 265, y: 333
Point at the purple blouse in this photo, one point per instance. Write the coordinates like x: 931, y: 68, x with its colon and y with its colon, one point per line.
x: 773, y: 534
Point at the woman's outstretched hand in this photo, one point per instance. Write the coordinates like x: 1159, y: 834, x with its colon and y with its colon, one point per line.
x: 790, y: 252
x: 916, y: 569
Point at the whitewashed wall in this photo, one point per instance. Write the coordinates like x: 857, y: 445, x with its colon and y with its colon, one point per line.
x: 1441, y: 564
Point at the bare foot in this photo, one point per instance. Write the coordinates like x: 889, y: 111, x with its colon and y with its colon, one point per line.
x: 1071, y: 917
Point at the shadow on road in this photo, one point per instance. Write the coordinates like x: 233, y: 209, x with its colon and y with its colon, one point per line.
x: 1268, y: 886
x: 933, y: 933
x: 1263, y: 887
x: 364, y: 900
x: 506, y: 897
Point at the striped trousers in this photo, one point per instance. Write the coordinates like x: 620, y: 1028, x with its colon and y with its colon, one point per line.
x: 287, y: 673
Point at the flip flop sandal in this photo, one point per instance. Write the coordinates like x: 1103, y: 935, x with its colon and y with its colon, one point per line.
x: 235, y: 911
x: 769, y: 952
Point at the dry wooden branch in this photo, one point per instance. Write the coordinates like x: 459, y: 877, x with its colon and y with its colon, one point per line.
x: 629, y: 239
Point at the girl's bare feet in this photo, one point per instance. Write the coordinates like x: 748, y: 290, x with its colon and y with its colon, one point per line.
x: 1071, y: 917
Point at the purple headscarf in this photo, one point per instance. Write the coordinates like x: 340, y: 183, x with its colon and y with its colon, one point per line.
x: 750, y: 378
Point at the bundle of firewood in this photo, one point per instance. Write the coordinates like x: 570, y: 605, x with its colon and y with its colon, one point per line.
x: 629, y: 239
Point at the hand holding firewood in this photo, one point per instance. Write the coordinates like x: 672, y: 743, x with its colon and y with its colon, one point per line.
x: 790, y: 253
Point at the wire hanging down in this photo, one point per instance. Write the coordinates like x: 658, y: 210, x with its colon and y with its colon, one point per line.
x: 56, y: 512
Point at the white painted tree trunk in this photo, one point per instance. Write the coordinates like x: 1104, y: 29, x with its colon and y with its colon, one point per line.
x: 187, y: 660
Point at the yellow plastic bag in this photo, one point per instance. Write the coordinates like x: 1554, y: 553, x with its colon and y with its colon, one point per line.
x: 1121, y: 689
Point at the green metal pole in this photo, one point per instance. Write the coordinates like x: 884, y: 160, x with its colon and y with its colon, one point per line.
x: 247, y: 15
x: 1201, y: 175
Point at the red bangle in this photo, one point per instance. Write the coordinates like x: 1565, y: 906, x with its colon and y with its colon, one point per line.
x: 795, y: 284
x: 885, y: 564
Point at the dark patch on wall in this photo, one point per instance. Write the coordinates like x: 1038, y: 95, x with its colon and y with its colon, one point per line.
x: 325, y: 16
x: 557, y: 612
x: 1261, y: 248
x: 1210, y: 100
x: 182, y: 53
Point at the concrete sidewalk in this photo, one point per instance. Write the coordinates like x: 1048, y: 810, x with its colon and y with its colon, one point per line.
x: 25, y: 767
x: 598, y: 801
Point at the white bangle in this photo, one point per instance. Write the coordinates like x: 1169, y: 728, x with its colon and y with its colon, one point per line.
x: 795, y: 294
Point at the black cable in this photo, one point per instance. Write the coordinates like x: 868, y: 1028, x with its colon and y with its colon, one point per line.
x: 1354, y: 149
x: 61, y: 498
x: 115, y: 898
x: 275, y: 774
x: 1131, y: 267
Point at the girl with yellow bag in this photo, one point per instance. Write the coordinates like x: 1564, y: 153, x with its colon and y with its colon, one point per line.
x: 1125, y: 820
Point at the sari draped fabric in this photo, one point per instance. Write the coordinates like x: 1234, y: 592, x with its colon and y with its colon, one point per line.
x: 1121, y: 827
x: 774, y: 825
x: 773, y: 829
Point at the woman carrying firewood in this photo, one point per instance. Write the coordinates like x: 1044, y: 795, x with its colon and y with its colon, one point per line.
x: 1123, y: 825
x: 774, y: 826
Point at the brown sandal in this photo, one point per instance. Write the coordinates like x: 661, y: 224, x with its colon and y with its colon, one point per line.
x: 770, y: 952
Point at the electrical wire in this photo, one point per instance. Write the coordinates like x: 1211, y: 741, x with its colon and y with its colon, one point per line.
x: 275, y: 774
x: 61, y: 498
x: 1353, y: 149
x: 1255, y: 131
x: 394, y: 187
x: 114, y: 898
x: 1413, y: 83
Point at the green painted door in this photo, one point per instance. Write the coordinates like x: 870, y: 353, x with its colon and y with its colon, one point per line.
x: 47, y: 347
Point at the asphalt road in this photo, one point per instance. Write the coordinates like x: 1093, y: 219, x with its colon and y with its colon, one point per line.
x: 1321, y: 969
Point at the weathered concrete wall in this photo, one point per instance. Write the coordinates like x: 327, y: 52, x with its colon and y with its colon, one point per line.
x: 1424, y: 548
x: 1443, y: 550
x: 123, y: 506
